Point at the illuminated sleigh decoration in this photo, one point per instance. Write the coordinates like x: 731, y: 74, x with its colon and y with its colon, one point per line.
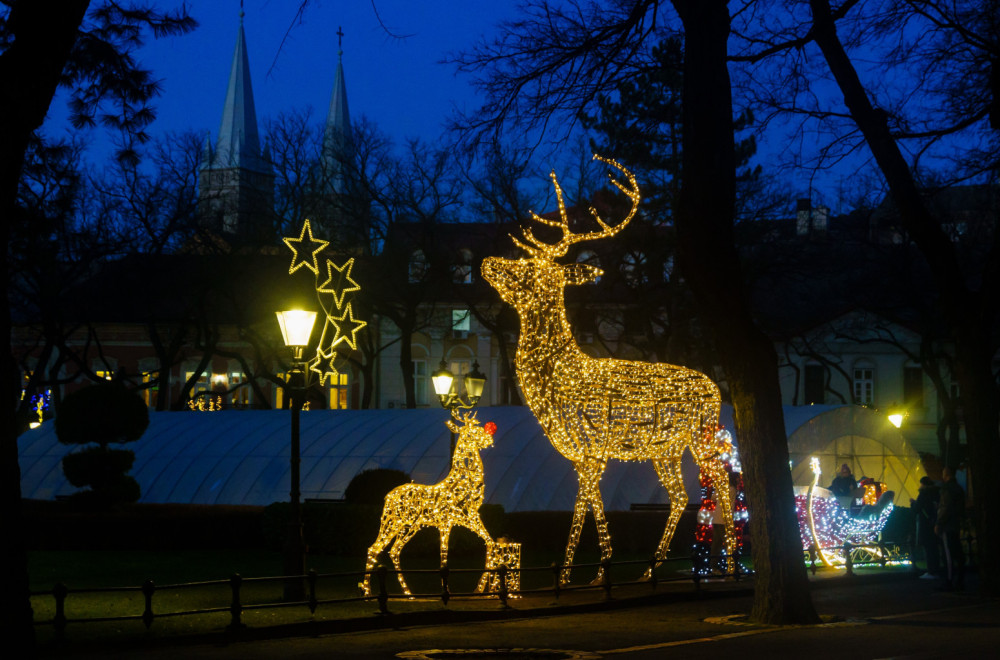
x: 826, y: 527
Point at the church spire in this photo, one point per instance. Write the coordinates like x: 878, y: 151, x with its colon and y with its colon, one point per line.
x: 338, y: 145
x: 239, y: 141
x: 236, y: 182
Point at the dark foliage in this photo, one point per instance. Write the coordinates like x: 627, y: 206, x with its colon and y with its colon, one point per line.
x: 371, y: 486
x: 101, y: 413
x: 348, y: 529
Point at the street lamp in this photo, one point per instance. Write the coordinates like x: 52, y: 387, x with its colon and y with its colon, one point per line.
x: 444, y: 387
x: 296, y: 328
x: 896, y: 416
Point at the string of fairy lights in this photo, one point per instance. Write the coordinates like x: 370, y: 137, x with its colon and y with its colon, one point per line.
x: 593, y: 410
x: 335, y: 287
x: 701, y: 552
x: 451, y: 502
x: 826, y: 526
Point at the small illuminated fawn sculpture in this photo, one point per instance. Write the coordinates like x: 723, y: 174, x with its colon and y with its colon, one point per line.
x: 592, y: 409
x: 453, y: 501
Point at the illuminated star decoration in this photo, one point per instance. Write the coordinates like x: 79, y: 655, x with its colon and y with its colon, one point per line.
x: 296, y: 245
x: 347, y: 328
x: 323, y: 364
x: 338, y: 281
x: 332, y: 294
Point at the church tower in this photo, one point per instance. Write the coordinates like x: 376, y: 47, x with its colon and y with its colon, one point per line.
x: 338, y: 143
x: 337, y: 206
x: 236, y: 180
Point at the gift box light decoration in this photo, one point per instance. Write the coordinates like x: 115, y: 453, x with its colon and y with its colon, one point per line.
x: 454, y: 501
x: 507, y: 554
x: 825, y: 525
x: 334, y: 285
x: 593, y: 410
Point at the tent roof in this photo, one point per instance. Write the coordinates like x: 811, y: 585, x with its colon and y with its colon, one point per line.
x: 242, y: 457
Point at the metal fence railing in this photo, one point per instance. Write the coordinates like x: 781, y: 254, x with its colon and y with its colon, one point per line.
x: 236, y: 586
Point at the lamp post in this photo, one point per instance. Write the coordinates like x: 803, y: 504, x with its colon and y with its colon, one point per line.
x: 296, y: 328
x: 444, y: 387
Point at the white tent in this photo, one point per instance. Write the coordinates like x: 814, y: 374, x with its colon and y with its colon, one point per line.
x: 242, y: 457
x: 855, y: 435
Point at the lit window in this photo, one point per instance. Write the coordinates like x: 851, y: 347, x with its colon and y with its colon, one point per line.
x: 460, y: 320
x: 150, y: 393
x: 241, y: 390
x: 339, y: 388
x: 279, y: 392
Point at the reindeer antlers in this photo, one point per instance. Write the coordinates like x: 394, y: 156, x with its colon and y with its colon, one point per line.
x: 465, y: 418
x: 539, y: 248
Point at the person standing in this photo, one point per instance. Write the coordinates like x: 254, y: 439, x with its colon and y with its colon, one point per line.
x: 925, y: 511
x: 844, y: 484
x: 951, y: 511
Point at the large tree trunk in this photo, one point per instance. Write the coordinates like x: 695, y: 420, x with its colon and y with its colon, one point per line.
x: 971, y: 315
x: 44, y: 33
x: 708, y: 256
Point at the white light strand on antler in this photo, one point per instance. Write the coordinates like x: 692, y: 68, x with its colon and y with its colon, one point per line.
x: 339, y: 324
x: 591, y: 409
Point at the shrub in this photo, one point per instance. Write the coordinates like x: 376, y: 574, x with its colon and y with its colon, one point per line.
x: 103, y: 413
x: 371, y: 486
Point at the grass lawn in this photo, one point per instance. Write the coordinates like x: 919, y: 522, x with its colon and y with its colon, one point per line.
x: 81, y: 570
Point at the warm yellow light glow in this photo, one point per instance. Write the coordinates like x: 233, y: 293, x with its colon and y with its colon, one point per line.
x: 296, y: 326
x: 338, y: 282
x: 896, y: 419
x: 502, y: 553
x: 455, y: 501
x: 332, y: 293
x: 474, y: 384
x: 591, y: 409
x: 311, y: 246
x: 826, y: 526
x: 442, y: 380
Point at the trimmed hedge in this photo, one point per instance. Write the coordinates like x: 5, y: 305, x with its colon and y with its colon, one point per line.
x: 345, y: 529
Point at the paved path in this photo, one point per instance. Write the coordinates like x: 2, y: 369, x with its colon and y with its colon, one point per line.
x: 867, y: 618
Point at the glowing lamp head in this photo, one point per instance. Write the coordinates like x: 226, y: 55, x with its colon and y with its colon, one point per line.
x: 474, y: 383
x: 896, y: 419
x: 296, y: 327
x: 443, y: 380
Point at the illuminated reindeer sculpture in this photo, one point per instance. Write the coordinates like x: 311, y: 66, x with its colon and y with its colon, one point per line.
x: 592, y: 409
x: 453, y: 501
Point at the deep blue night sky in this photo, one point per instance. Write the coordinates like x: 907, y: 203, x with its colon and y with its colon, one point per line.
x: 397, y: 83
